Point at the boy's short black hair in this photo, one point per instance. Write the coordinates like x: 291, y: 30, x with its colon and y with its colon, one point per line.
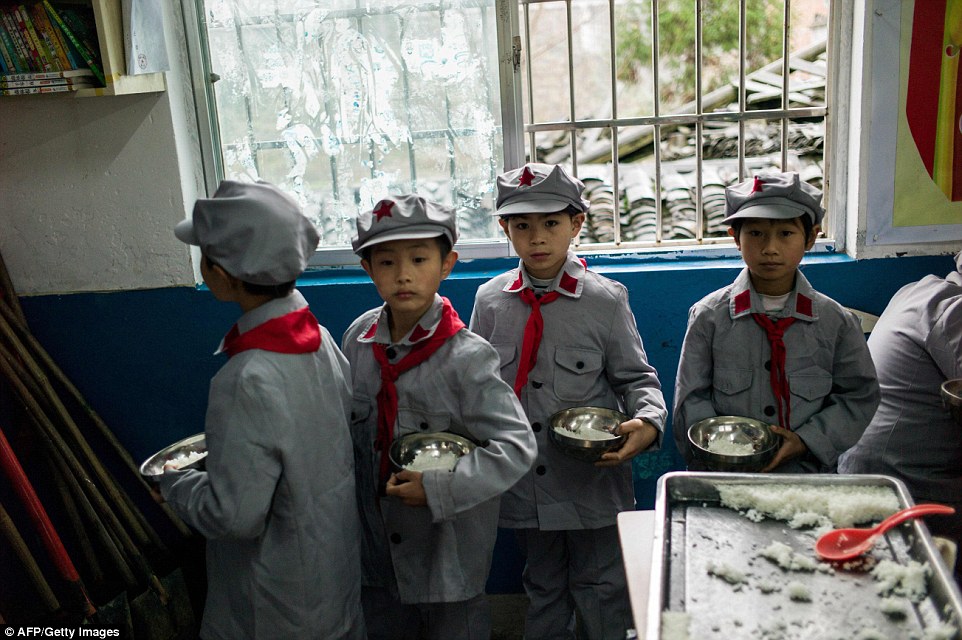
x: 571, y: 210
x: 442, y: 241
x: 273, y: 291
x: 807, y: 225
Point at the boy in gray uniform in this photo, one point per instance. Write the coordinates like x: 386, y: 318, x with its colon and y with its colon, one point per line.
x: 428, y: 537
x: 770, y: 347
x: 916, y: 346
x: 567, y: 338
x: 276, y: 501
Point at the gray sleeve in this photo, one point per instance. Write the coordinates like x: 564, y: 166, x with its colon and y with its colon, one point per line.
x: 493, y: 414
x: 232, y: 498
x: 944, y: 342
x: 628, y: 370
x: 693, y: 383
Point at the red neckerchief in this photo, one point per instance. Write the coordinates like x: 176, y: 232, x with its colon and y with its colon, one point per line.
x: 779, y: 379
x: 294, y: 332
x: 449, y: 325
x: 533, y: 330
x: 534, y: 327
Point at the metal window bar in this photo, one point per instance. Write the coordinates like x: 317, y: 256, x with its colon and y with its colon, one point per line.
x: 783, y: 115
x: 742, y: 93
x: 615, y: 165
x: 656, y: 61
x: 699, y: 126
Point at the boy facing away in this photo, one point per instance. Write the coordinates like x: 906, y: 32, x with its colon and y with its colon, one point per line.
x: 567, y: 338
x: 770, y: 347
x: 428, y: 537
x: 917, y: 346
x: 276, y: 501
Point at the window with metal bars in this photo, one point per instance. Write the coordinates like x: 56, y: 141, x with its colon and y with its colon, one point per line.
x: 656, y: 105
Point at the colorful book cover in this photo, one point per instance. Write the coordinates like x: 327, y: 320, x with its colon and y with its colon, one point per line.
x: 44, y: 27
x: 81, y: 21
x: 13, y: 29
x: 18, y: 91
x: 87, y: 55
x: 46, y: 75
x: 9, y: 52
x: 38, y: 44
x: 35, y: 63
x: 77, y: 83
x: 74, y: 59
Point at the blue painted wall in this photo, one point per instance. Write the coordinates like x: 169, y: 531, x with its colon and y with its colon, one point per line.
x: 143, y: 359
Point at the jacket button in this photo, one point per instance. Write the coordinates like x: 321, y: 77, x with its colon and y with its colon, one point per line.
x: 353, y: 416
x: 768, y: 365
x: 395, y: 538
x: 580, y: 365
x: 769, y: 411
x: 536, y: 385
x: 541, y: 470
x: 390, y: 352
x: 424, y: 426
x: 536, y: 427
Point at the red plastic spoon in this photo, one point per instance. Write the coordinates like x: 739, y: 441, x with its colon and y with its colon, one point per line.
x: 845, y: 544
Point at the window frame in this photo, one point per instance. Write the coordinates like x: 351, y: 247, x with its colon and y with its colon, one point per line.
x: 512, y: 52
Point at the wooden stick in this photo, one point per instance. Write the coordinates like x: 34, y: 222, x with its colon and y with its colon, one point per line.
x: 6, y: 368
x: 98, y: 422
x: 100, y: 532
x: 9, y: 531
x: 125, y: 507
x: 90, y: 560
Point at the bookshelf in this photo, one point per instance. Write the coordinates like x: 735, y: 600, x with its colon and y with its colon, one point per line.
x: 108, y: 19
x: 110, y: 33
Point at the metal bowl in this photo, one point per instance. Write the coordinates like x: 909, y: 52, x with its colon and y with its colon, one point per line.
x: 423, y: 451
x: 715, y: 441
x: 178, y: 453
x: 952, y: 398
x: 586, y: 433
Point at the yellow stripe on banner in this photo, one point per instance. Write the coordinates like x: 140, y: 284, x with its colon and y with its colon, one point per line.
x: 945, y: 123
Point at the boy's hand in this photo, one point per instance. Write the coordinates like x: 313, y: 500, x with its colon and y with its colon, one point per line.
x: 407, y: 486
x: 640, y: 436
x: 792, y: 447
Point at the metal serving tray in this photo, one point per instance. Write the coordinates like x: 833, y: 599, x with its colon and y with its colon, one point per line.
x: 693, y: 530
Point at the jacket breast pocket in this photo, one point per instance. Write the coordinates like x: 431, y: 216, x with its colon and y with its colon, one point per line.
x: 576, y: 373
x: 416, y: 421
x: 732, y: 390
x: 809, y: 389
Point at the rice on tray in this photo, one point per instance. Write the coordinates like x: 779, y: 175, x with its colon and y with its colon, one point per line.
x: 805, y: 506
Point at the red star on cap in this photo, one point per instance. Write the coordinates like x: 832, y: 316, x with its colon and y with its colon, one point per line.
x: 382, y: 209
x: 526, y: 177
x: 757, y: 186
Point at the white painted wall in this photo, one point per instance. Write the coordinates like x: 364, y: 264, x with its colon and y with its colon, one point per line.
x: 90, y: 188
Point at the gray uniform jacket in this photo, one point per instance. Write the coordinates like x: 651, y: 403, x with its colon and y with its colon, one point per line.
x: 917, y: 345
x: 725, y: 360
x: 442, y: 552
x: 276, y: 502
x: 590, y: 355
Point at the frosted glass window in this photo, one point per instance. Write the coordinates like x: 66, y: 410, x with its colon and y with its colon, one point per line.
x: 344, y: 103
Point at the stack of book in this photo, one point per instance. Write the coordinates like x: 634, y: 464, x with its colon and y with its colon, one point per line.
x: 47, y: 48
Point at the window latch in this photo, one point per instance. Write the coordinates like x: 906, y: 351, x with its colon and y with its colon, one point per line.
x: 516, y: 52
x: 213, y: 77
